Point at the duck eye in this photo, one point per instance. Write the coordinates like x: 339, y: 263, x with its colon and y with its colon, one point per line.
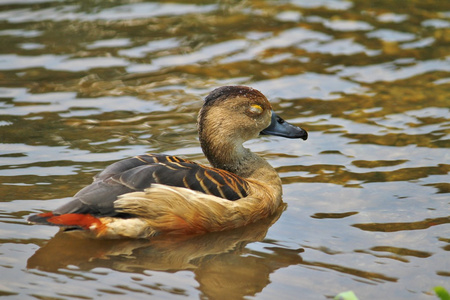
x: 256, y: 109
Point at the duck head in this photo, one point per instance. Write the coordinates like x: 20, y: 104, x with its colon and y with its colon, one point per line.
x: 232, y: 115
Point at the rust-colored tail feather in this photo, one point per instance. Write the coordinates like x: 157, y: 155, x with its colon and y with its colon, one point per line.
x: 83, y: 221
x: 41, y: 219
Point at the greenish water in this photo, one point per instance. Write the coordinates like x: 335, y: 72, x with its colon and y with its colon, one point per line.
x: 366, y: 197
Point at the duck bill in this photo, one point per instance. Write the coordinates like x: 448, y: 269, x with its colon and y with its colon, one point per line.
x: 280, y: 127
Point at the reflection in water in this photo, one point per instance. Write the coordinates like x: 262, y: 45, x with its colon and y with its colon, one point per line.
x: 164, y: 252
x: 220, y: 261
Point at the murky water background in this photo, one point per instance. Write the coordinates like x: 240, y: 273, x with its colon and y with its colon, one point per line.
x: 86, y: 83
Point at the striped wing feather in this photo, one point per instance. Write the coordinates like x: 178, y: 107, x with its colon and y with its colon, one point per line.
x: 138, y: 173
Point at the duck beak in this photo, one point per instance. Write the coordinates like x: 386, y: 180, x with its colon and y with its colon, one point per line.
x: 280, y: 127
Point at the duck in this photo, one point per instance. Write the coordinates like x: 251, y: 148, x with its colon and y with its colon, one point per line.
x: 153, y: 194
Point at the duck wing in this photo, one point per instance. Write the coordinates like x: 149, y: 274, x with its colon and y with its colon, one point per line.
x: 140, y: 172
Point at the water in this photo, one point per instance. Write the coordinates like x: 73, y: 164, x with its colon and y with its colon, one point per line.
x: 366, y: 205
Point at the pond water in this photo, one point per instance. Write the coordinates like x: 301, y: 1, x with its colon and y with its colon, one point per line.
x: 366, y: 197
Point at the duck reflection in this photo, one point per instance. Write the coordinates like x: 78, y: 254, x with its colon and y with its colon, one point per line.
x: 221, y: 262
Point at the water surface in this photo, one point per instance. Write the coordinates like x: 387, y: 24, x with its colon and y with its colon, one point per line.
x: 366, y: 197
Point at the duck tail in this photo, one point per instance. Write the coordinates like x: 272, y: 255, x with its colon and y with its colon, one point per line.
x: 81, y: 221
x: 41, y: 219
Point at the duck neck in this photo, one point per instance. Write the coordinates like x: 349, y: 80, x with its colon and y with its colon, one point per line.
x: 235, y: 157
x: 244, y: 163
